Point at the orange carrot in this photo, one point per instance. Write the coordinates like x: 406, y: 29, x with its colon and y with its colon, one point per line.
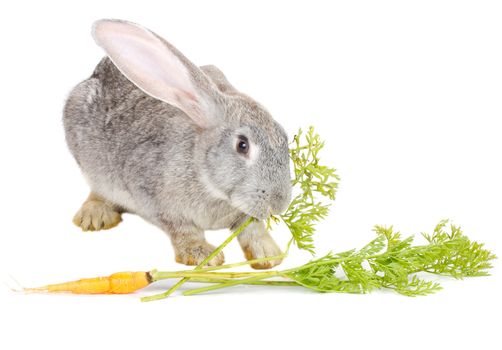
x: 118, y: 283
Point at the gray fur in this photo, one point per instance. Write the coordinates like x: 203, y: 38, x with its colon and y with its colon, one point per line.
x: 149, y: 158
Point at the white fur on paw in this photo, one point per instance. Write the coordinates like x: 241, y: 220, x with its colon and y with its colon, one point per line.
x: 96, y: 215
x: 263, y: 248
x: 194, y: 254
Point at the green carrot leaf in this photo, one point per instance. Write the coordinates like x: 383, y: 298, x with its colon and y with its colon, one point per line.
x: 312, y: 181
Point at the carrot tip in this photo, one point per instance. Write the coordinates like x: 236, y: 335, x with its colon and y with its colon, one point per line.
x: 11, y: 283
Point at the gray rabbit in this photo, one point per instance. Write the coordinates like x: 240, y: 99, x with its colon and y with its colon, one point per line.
x: 178, y: 145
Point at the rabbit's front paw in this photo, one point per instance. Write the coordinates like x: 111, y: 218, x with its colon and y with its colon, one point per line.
x: 264, y: 247
x: 96, y: 215
x: 195, y: 253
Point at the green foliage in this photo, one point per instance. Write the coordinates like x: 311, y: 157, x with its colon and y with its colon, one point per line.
x: 456, y: 256
x: 312, y: 180
x: 388, y: 261
x: 320, y: 275
x: 393, y: 263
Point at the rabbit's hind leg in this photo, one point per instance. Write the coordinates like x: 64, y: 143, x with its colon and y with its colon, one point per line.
x: 96, y: 214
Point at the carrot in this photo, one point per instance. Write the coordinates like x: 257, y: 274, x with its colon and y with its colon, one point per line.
x: 118, y: 283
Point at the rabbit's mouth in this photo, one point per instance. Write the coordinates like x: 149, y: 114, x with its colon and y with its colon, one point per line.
x: 261, y: 204
x: 263, y: 215
x: 259, y: 214
x: 258, y: 209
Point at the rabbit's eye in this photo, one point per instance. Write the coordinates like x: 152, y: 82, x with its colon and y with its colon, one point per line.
x: 242, y: 145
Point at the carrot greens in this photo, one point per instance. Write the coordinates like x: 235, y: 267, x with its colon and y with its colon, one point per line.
x: 311, y: 180
x: 391, y: 263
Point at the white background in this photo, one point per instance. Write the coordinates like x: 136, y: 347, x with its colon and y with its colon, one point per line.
x: 407, y: 96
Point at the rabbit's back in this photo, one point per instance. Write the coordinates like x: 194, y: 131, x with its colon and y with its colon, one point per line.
x: 120, y: 137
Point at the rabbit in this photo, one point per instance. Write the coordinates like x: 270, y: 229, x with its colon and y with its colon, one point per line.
x: 178, y: 145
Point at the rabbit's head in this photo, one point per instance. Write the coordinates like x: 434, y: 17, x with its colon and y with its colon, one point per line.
x: 241, y: 153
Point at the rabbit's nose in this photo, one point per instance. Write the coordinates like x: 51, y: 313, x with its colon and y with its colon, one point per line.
x: 278, y: 197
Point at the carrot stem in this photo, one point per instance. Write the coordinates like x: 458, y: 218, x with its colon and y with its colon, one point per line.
x: 160, y: 275
x: 260, y: 283
x: 201, y: 265
x: 251, y: 280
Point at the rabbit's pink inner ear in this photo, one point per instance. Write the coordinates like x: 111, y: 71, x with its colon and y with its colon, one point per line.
x: 152, y: 66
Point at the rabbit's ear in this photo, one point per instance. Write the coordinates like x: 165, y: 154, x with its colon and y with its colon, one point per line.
x: 160, y: 70
x: 219, y: 79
